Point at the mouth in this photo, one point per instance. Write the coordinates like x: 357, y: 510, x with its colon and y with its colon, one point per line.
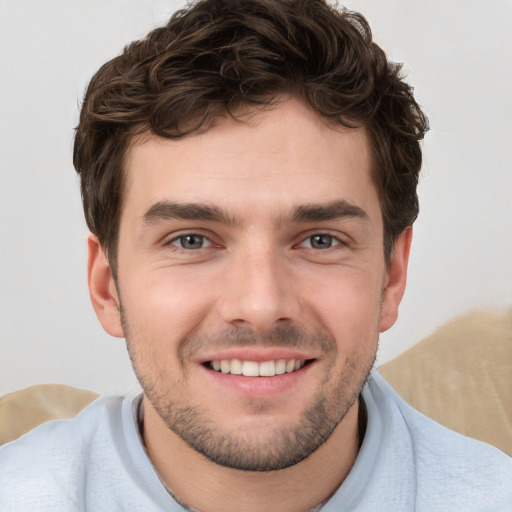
x: 248, y: 368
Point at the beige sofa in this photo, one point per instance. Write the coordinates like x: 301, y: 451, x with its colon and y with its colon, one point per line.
x: 461, y: 376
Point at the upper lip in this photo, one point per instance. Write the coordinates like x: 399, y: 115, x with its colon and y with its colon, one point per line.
x: 258, y: 354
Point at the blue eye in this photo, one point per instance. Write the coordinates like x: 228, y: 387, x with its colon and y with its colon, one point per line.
x: 191, y: 242
x: 320, y: 241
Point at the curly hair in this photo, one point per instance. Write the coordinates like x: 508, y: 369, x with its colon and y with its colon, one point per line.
x: 216, y: 56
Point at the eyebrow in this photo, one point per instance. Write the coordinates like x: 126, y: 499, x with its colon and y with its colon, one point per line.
x: 331, y: 211
x: 166, y: 210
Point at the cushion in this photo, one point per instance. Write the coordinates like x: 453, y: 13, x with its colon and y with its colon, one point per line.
x: 461, y: 376
x: 23, y: 410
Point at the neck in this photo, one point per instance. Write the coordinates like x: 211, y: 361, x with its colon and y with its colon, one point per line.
x: 209, y: 487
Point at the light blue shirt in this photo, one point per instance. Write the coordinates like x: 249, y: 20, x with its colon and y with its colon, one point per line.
x: 407, y: 462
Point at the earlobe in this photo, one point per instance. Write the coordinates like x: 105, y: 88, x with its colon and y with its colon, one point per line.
x: 102, y: 290
x: 395, y: 280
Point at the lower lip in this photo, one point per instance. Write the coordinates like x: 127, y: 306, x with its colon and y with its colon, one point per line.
x: 259, y: 386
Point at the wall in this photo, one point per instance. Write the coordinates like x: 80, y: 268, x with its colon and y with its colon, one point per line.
x: 458, y: 54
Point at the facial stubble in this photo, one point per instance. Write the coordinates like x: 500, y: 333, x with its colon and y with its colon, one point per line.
x: 283, y: 446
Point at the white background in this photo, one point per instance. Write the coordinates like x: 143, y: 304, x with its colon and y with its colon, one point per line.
x: 458, y: 54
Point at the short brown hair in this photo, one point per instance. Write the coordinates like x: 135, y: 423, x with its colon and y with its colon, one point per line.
x: 218, y: 55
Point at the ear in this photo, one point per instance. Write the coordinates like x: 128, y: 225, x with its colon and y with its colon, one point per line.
x: 102, y: 289
x: 395, y: 279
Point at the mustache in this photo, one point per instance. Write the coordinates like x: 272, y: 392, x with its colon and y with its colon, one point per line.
x: 288, y: 336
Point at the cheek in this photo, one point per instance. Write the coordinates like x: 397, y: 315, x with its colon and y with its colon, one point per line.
x: 348, y: 305
x: 164, y: 306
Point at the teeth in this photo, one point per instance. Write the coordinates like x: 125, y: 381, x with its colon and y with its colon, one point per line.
x: 255, y: 369
x: 236, y: 367
x: 267, y: 369
x: 250, y: 369
x: 280, y: 367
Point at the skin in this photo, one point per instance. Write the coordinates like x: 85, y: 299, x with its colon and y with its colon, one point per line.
x: 259, y: 283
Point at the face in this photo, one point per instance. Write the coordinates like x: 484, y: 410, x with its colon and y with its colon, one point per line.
x: 252, y: 283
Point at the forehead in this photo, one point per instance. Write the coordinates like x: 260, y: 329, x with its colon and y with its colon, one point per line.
x: 271, y: 159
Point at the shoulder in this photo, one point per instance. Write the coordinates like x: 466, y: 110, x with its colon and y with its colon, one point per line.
x: 458, y: 467
x: 449, y: 469
x: 47, y: 465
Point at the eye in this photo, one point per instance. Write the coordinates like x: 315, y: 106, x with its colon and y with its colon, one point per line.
x: 320, y: 241
x: 191, y: 242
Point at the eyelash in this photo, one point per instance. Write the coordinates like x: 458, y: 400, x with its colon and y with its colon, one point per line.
x: 190, y: 235
x: 334, y: 240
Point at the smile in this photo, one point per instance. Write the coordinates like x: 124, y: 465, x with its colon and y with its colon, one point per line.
x: 257, y: 369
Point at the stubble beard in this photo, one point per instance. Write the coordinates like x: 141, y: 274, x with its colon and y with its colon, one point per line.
x: 282, y: 447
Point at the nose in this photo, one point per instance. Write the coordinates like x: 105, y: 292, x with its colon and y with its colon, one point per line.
x: 259, y: 291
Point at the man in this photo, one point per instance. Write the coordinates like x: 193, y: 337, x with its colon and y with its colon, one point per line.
x: 249, y: 178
